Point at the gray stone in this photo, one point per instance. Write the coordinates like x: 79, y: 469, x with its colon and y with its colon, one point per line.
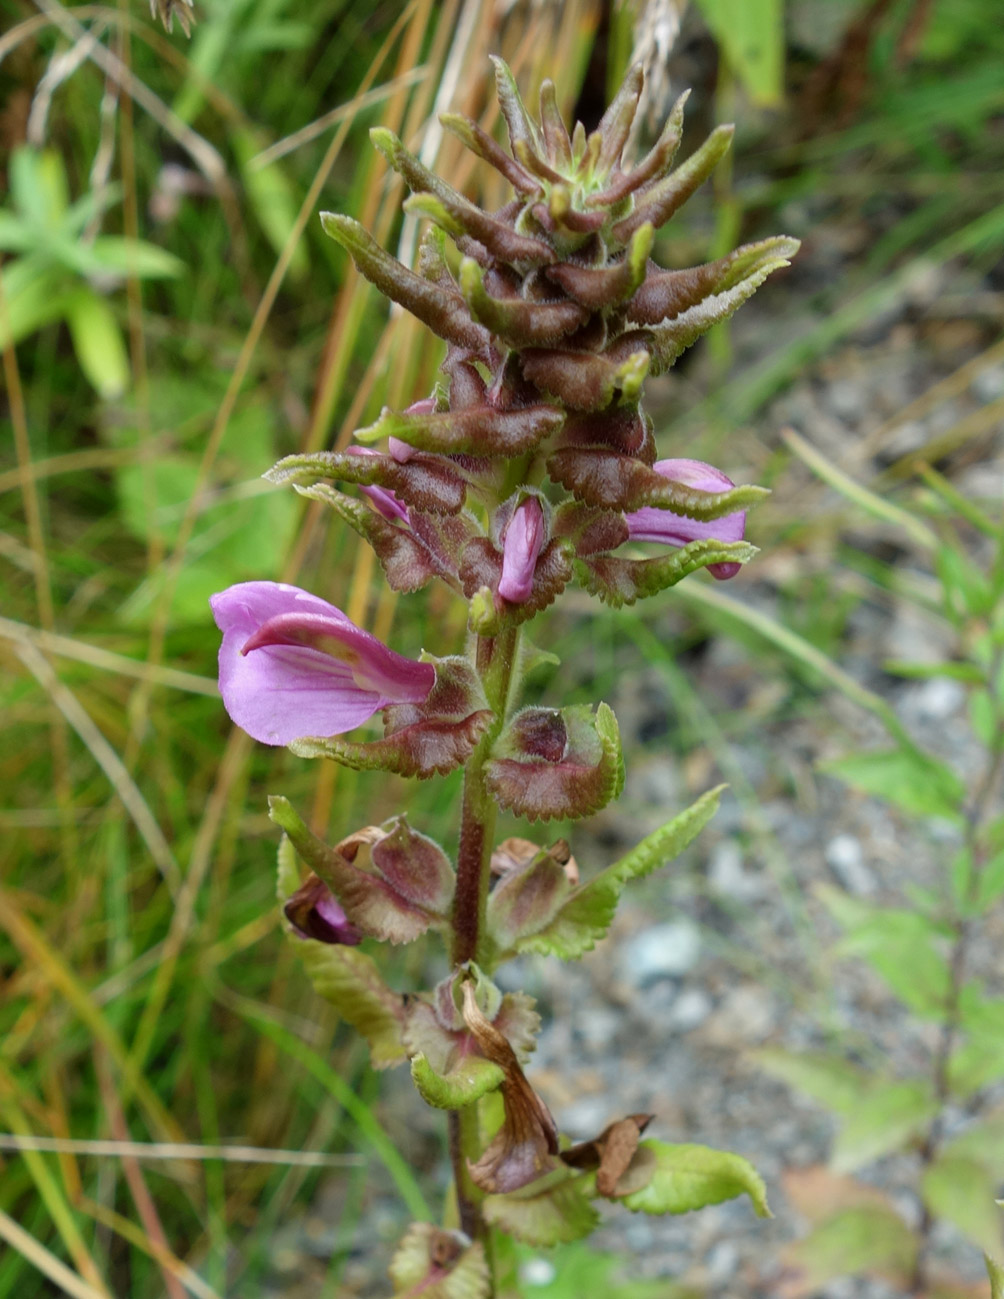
x: 662, y: 952
x: 938, y: 698
x: 847, y: 399
x: 691, y: 1008
x: 727, y: 876
x: 586, y: 1117
x: 989, y: 384
x: 721, y: 1262
x: 845, y: 858
x: 598, y: 1027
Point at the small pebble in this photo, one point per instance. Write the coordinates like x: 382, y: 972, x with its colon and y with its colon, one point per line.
x: 721, y: 1263
x: 845, y: 858
x: 664, y: 951
x: 727, y: 876
x: 691, y: 1008
x: 938, y: 698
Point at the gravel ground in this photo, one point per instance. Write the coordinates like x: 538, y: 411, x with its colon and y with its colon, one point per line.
x: 728, y: 951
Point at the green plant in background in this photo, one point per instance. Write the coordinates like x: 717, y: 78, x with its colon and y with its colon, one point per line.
x: 553, y: 316
x: 942, y: 1111
x: 63, y: 269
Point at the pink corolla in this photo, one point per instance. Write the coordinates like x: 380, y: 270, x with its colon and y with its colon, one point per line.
x: 520, y: 547
x: 292, y: 665
x: 654, y: 524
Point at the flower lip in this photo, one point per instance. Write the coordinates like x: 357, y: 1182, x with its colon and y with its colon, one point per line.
x: 654, y: 524
x: 521, y: 545
x: 292, y: 665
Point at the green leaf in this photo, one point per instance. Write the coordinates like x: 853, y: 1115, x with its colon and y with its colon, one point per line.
x: 469, y: 1078
x: 926, y: 671
x: 961, y: 1191
x: 582, y: 1271
x: 35, y: 296
x: 580, y: 923
x: 98, y: 343
x: 618, y: 581
x: 349, y: 979
x: 526, y: 901
x: 691, y: 1177
x: 666, y: 843
x: 553, y: 1211
x: 967, y: 593
x: 828, y: 1079
x: 980, y: 1060
x: 910, y: 780
x: 996, y: 1274
x: 899, y: 945
x: 751, y: 36
x: 586, y: 914
x: 153, y: 498
x: 434, y: 1263
x: 983, y: 1142
x: 991, y: 882
x: 124, y: 256
x: 864, y: 1239
x: 983, y: 717
x: 38, y: 186
x: 886, y: 1119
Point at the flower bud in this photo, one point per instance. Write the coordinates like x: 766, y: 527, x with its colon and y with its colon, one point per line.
x: 520, y: 547
x: 384, y: 501
x: 314, y: 913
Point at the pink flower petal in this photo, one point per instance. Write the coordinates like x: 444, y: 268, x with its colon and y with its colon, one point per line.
x: 284, y: 687
x: 653, y: 524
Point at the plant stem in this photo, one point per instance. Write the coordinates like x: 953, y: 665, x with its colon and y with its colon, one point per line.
x: 495, y: 659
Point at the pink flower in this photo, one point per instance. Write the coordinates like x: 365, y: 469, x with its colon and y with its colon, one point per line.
x: 653, y: 524
x: 292, y: 665
x: 520, y: 547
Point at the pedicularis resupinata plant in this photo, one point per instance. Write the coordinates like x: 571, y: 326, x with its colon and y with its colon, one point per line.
x: 531, y: 466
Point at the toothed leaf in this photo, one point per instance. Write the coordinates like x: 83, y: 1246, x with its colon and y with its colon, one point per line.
x: 587, y: 912
x: 687, y: 1177
x: 555, y: 1215
x: 619, y: 581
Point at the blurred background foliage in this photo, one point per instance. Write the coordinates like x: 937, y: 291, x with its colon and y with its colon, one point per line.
x: 171, y: 321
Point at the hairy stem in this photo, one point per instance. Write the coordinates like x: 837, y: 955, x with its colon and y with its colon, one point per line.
x: 495, y: 658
